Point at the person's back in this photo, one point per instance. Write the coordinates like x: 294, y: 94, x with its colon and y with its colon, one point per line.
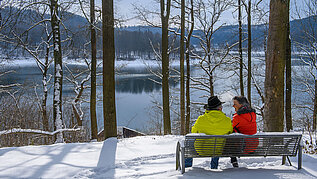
x: 212, y: 122
x: 244, y: 122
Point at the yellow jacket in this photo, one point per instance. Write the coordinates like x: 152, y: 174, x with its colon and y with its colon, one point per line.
x: 213, y: 122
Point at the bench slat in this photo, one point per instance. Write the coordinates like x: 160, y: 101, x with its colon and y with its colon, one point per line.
x: 235, y: 145
x: 263, y: 144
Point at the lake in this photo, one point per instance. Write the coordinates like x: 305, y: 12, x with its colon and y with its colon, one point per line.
x: 137, y: 93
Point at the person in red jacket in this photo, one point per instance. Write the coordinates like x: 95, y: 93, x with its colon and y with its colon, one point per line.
x: 244, y: 122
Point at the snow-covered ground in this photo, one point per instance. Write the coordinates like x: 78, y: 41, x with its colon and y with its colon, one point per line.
x: 139, y: 157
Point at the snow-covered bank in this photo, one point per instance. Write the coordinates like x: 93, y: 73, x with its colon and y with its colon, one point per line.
x: 139, y: 157
x: 25, y: 61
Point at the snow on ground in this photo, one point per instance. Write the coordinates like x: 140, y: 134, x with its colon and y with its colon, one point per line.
x: 139, y: 157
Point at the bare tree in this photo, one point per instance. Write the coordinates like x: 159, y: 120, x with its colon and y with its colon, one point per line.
x: 307, y: 46
x: 182, y: 83
x: 162, y: 53
x: 40, y: 21
x: 208, y: 15
x: 93, y: 115
x: 288, y: 79
x: 275, y: 66
x: 248, y: 11
x: 58, y: 70
x: 79, y: 88
x: 240, y: 49
x: 188, y: 38
x: 109, y: 106
x: 165, y: 13
x: 93, y: 64
x: 249, y: 50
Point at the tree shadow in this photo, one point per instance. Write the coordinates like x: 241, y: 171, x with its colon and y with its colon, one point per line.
x: 48, y: 160
x: 107, y: 157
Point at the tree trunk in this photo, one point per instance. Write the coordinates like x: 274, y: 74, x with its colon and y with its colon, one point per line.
x: 211, y: 84
x: 288, y: 68
x: 187, y: 128
x: 275, y: 65
x: 109, y: 106
x: 240, y: 49
x: 58, y: 71
x: 315, y: 107
x: 211, y: 80
x: 76, y: 106
x: 165, y: 66
x: 93, y: 114
x: 249, y: 51
x: 45, y: 90
x: 182, y: 83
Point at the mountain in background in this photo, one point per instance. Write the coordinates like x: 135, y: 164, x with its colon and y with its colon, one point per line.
x: 138, y: 38
x: 229, y: 34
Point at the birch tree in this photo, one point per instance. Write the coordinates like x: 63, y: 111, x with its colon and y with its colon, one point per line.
x: 58, y: 71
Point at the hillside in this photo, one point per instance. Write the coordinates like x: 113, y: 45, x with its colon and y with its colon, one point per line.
x: 137, y: 38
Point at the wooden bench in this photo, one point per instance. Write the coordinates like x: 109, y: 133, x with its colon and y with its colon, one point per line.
x: 239, y: 145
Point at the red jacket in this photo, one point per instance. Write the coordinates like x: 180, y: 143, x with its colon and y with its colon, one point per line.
x: 244, y: 123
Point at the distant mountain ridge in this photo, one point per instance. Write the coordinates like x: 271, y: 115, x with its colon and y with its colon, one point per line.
x: 229, y: 33
x: 137, y: 38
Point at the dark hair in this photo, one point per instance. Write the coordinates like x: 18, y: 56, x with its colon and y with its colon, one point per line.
x: 241, y: 99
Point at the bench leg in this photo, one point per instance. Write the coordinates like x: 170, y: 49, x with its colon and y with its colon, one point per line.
x: 183, y: 159
x: 177, y: 156
x: 284, y: 160
x: 300, y: 153
x: 289, y: 161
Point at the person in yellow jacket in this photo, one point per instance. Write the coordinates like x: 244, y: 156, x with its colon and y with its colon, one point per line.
x: 213, y: 122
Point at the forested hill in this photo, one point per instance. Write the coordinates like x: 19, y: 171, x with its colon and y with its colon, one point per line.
x: 225, y: 34
x: 138, y: 38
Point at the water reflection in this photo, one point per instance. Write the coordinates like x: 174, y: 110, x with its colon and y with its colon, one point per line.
x: 137, y: 84
x: 129, y: 80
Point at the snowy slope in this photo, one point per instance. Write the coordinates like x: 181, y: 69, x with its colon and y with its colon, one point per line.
x: 139, y: 157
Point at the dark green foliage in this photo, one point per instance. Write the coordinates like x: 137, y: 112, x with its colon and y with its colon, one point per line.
x: 127, y: 41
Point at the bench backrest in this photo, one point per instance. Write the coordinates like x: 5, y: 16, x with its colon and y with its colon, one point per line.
x: 264, y: 144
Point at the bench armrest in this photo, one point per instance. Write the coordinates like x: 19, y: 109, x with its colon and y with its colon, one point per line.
x: 181, y: 142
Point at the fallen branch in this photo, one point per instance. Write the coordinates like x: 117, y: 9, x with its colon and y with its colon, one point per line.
x: 35, y: 131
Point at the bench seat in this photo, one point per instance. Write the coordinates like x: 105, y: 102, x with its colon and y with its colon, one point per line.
x: 239, y: 145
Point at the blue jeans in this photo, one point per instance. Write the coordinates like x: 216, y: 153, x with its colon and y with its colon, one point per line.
x: 213, y: 163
